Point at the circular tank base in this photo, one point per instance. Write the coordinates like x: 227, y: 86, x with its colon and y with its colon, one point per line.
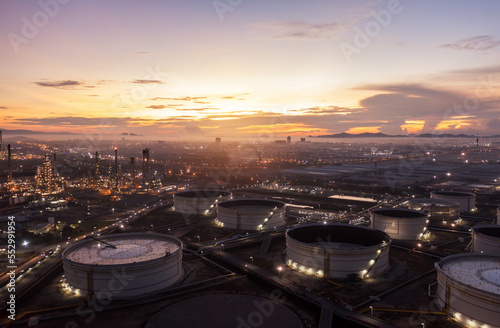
x: 227, y: 310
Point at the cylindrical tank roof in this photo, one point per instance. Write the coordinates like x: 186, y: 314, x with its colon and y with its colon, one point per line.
x: 202, y: 193
x: 489, y: 230
x: 454, y: 193
x: 477, y: 271
x: 338, y: 233
x: 122, y: 249
x: 434, y: 202
x: 251, y: 202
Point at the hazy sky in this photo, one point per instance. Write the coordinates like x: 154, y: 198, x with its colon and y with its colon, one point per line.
x: 247, y: 68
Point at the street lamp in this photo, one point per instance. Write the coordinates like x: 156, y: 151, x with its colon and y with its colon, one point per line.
x: 199, y: 239
x: 371, y: 311
x: 251, y: 258
x: 279, y: 270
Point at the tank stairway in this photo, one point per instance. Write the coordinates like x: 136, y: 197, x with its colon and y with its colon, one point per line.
x: 264, y: 247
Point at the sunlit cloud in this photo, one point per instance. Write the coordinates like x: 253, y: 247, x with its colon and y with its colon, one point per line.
x: 413, y: 126
x: 148, y: 82
x: 452, y: 125
x: 282, y: 129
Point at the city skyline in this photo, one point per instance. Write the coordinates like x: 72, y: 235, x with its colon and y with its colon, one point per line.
x: 244, y: 69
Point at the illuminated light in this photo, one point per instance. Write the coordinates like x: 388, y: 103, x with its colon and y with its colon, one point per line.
x: 371, y: 262
x: 310, y: 271
x: 419, y: 245
x: 379, y: 251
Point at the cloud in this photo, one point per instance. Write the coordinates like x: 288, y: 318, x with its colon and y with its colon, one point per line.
x: 58, y: 84
x: 193, y: 129
x: 179, y: 98
x: 142, y: 53
x: 3, y: 107
x: 93, y: 96
x: 196, y: 109
x: 148, y: 81
x: 300, y: 30
x: 131, y: 134
x: 228, y: 97
x: 476, y: 43
x: 329, y: 110
x: 157, y: 106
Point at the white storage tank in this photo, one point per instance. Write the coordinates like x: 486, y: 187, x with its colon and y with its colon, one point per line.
x: 486, y: 239
x: 400, y: 223
x: 467, y: 200
x: 123, y: 265
x: 199, y: 201
x: 251, y: 214
x: 469, y: 289
x: 439, y: 210
x: 337, y: 250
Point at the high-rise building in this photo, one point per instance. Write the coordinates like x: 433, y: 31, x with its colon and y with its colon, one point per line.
x: 218, y: 140
x: 288, y: 140
x: 45, y: 178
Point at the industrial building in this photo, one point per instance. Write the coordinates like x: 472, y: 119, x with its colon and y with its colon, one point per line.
x: 199, y: 201
x: 400, y: 223
x: 251, y: 214
x: 486, y: 239
x: 468, y: 289
x: 467, y: 200
x: 337, y: 250
x: 151, y: 262
x: 439, y: 210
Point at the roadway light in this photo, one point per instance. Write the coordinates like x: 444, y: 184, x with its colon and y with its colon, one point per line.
x: 279, y: 270
x: 251, y: 258
x: 371, y: 311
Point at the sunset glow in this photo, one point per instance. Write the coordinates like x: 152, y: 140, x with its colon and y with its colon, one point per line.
x: 185, y: 69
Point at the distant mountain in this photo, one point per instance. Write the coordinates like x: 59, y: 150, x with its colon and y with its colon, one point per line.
x: 444, y: 135
x: 383, y: 135
x: 30, y: 132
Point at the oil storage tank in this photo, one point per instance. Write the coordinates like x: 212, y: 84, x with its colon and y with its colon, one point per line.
x: 468, y: 289
x: 400, y: 223
x: 199, y: 201
x: 250, y: 214
x: 467, y: 200
x: 486, y: 239
x: 337, y: 250
x: 439, y: 210
x: 123, y: 265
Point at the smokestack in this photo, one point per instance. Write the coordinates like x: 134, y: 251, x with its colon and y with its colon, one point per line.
x: 9, y: 162
x: 1, y: 141
x: 116, y: 166
x: 132, y: 164
x: 145, y: 164
x: 96, y: 163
